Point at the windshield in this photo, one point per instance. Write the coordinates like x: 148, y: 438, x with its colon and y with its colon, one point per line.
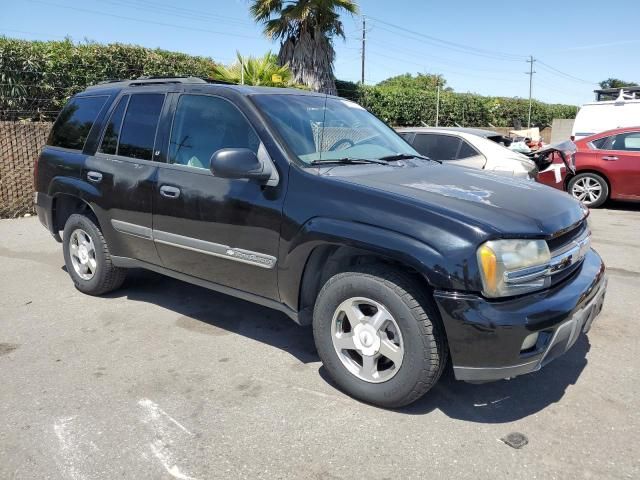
x: 319, y: 128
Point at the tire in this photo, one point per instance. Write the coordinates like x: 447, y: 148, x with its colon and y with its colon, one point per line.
x: 589, y: 188
x: 101, y: 276
x: 412, y: 312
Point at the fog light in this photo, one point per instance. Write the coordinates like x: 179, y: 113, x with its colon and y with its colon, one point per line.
x: 529, y: 342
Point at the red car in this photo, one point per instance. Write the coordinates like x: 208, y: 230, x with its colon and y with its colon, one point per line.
x: 607, y: 166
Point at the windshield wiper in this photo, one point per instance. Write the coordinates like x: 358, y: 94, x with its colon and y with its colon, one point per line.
x: 406, y: 156
x: 347, y: 161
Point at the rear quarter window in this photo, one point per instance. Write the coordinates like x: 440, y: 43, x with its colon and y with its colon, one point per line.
x: 74, y: 123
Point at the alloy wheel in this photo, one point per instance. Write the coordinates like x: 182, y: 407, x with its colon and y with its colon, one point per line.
x: 587, y: 189
x: 367, y: 339
x: 83, y: 254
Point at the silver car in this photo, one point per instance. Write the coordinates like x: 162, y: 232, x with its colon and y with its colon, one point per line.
x: 469, y: 147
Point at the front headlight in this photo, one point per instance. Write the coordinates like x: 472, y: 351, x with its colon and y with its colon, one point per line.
x: 513, y: 267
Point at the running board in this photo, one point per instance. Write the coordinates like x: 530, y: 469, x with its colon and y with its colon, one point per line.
x: 126, y: 262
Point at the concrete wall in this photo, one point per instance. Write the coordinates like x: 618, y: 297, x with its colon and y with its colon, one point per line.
x: 561, y: 129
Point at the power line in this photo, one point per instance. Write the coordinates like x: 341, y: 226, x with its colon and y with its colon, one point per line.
x: 444, y: 70
x: 452, y: 45
x: 185, y: 13
x: 151, y: 22
x: 437, y: 59
x: 554, y: 70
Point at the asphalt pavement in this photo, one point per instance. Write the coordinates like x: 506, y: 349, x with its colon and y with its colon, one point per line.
x: 165, y: 380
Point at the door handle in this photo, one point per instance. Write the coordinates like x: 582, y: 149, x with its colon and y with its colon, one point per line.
x: 610, y: 158
x: 168, y: 191
x: 94, y: 177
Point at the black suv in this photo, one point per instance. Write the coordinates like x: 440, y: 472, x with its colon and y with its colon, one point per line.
x: 309, y: 204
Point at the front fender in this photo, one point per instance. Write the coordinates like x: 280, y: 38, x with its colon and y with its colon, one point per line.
x: 379, y: 241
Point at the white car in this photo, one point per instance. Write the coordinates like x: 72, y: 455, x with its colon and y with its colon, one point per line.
x: 469, y: 147
x: 613, y: 108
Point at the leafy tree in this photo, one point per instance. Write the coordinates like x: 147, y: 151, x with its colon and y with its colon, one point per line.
x: 616, y: 83
x: 263, y: 71
x: 306, y: 29
x: 422, y: 81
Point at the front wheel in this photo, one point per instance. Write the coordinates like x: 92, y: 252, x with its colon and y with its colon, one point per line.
x: 379, y: 336
x: 590, y: 188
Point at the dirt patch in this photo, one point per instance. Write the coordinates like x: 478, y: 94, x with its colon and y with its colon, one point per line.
x: 200, y: 324
x: 7, y: 348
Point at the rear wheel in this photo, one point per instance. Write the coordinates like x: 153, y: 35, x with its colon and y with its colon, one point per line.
x: 379, y: 336
x: 87, y: 257
x: 590, y: 188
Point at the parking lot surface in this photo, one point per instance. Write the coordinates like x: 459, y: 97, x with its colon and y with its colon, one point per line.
x: 167, y: 380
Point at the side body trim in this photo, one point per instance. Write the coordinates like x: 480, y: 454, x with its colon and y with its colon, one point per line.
x: 215, y: 249
x: 132, y: 229
x: 196, y: 245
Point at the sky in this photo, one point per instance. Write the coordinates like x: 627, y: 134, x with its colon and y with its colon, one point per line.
x: 479, y: 47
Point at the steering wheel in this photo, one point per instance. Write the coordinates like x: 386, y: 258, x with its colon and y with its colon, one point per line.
x: 341, y: 142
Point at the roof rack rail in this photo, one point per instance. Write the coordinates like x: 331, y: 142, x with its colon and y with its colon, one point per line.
x: 109, y: 80
x: 145, y: 80
x: 158, y: 80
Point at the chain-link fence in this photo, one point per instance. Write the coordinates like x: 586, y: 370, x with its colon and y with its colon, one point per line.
x: 20, y: 145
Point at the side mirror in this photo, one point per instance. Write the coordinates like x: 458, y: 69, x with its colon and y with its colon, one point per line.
x: 239, y: 163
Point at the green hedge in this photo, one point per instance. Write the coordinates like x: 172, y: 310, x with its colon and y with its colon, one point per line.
x: 412, y: 107
x: 36, y: 78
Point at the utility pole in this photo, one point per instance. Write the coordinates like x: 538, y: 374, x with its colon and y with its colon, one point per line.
x: 437, y: 101
x: 364, y: 40
x: 530, y: 73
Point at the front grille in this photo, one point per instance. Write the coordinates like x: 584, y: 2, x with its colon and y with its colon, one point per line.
x: 564, y: 238
x: 564, y: 242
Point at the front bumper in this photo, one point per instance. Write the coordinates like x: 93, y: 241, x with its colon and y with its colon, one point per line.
x: 486, y: 337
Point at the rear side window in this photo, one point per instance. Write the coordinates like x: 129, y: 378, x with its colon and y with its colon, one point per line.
x: 466, y: 151
x: 601, y: 143
x: 438, y: 147
x: 138, y: 132
x: 112, y: 132
x: 74, y: 123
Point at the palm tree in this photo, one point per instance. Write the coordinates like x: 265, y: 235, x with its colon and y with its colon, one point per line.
x: 306, y: 29
x: 263, y: 71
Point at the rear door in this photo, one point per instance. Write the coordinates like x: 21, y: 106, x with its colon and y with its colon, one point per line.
x: 123, y: 173
x: 221, y: 230
x: 624, y: 160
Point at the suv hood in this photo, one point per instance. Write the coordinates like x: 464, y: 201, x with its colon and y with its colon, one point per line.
x: 499, y: 204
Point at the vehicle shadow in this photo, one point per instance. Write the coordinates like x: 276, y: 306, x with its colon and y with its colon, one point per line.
x: 622, y: 205
x: 506, y: 400
x: 217, y: 312
x: 496, y: 402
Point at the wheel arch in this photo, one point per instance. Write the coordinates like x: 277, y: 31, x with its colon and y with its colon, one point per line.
x: 69, y: 196
x: 326, y: 247
x: 600, y: 173
x: 586, y: 170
